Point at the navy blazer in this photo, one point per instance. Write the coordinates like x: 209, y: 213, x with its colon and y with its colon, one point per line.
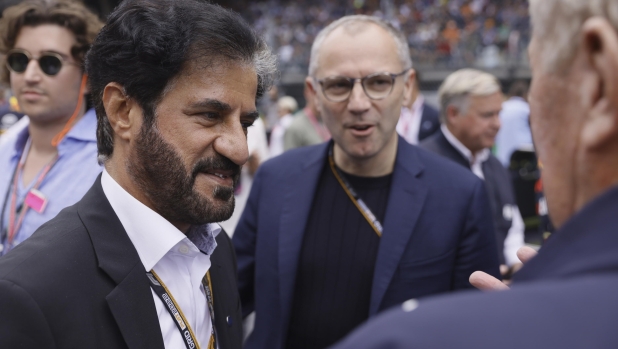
x: 437, y: 231
x: 430, y: 122
x: 563, y: 298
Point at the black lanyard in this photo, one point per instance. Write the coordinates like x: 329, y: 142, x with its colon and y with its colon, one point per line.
x: 174, y: 310
x: 358, y: 202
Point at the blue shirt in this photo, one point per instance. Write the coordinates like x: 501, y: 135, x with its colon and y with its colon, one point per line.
x: 65, y: 184
x: 515, y: 129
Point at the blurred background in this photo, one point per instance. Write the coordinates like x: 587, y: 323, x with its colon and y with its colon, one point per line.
x: 443, y: 35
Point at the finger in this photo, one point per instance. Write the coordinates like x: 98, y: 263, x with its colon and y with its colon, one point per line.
x: 526, y: 253
x: 486, y: 282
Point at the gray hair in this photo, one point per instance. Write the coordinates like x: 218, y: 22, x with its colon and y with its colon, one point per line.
x: 560, y: 22
x: 461, y: 84
x: 403, y: 50
x: 287, y: 102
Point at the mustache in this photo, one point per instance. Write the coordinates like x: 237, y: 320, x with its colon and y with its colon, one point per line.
x: 216, y: 163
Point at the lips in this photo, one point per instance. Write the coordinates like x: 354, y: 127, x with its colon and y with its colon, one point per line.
x: 221, y: 177
x: 361, y: 130
x: 31, y: 94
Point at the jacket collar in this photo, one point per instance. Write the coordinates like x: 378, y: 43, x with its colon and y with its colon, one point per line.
x: 586, y: 244
x: 130, y: 302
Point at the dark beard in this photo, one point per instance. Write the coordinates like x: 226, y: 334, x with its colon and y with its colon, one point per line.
x: 159, y: 172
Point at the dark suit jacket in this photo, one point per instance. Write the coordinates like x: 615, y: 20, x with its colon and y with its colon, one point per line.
x: 497, y: 181
x: 437, y: 231
x: 430, y: 122
x: 78, y: 282
x: 564, y: 298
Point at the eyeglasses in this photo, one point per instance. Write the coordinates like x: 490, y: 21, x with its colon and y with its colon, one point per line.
x: 376, y: 86
x: 50, y: 63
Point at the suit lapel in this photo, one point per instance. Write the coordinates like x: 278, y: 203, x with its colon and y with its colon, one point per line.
x: 299, y: 192
x: 131, y: 302
x: 405, y: 202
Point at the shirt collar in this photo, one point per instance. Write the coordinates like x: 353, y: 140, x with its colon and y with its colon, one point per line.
x: 418, y: 103
x: 479, y: 157
x: 83, y: 130
x: 152, y: 235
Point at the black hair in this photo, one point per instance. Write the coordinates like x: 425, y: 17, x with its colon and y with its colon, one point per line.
x: 147, y: 43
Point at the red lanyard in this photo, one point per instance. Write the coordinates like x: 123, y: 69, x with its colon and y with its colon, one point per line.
x: 15, y: 222
x: 319, y: 128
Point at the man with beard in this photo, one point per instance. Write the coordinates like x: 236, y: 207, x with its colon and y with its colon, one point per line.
x: 139, y: 262
x: 565, y: 297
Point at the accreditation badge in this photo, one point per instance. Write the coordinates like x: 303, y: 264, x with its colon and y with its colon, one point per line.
x: 36, y: 200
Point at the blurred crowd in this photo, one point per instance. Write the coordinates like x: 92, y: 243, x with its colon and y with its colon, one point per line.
x: 441, y: 33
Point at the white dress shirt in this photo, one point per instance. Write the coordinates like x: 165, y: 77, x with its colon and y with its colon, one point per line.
x: 277, y: 134
x: 515, y: 237
x: 174, y: 256
x: 409, y: 124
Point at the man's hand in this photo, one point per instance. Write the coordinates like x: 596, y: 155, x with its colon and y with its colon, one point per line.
x: 486, y: 282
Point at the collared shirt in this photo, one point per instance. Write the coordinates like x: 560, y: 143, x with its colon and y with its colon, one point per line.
x: 476, y: 160
x: 515, y: 130
x: 409, y: 124
x: 181, y: 261
x: 65, y: 184
x: 515, y: 237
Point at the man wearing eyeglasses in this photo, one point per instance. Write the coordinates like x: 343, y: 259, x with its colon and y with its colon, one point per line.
x: 48, y: 160
x: 335, y: 233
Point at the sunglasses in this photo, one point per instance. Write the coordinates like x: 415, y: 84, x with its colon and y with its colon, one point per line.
x: 50, y: 63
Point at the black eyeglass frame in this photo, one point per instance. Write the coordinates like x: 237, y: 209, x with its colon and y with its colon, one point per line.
x: 30, y: 57
x: 362, y: 81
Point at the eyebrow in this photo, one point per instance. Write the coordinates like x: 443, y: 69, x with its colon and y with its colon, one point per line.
x: 212, y: 104
x: 221, y: 107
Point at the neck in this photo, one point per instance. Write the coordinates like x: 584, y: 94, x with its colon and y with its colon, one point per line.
x: 119, y: 173
x: 380, y: 164
x: 42, y: 133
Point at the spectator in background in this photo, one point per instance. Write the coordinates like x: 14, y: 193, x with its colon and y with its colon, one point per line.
x: 270, y: 109
x: 470, y: 103
x: 49, y: 158
x: 307, y: 127
x: 338, y: 232
x: 418, y: 120
x: 258, y: 153
x: 514, y: 133
x: 286, y: 106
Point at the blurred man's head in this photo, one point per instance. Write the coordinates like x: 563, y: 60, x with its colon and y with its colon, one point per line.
x: 470, y: 103
x: 360, y: 74
x: 287, y: 105
x: 174, y: 86
x: 44, y: 43
x: 574, y: 99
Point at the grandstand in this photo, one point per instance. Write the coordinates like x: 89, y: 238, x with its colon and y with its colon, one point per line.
x: 444, y: 35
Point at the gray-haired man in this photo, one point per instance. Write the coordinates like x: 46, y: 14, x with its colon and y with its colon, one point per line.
x: 335, y: 233
x: 565, y: 297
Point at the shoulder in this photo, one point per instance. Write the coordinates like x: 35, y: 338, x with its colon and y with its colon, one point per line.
x: 292, y: 159
x: 298, y: 124
x: 564, y: 313
x: 430, y: 111
x: 9, y: 138
x: 53, y: 249
x: 438, y: 168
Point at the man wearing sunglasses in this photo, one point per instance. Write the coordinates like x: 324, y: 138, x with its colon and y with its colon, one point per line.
x: 335, y: 233
x: 48, y: 160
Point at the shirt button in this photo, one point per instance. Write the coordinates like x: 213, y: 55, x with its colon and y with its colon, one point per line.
x: 184, y: 249
x: 229, y: 320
